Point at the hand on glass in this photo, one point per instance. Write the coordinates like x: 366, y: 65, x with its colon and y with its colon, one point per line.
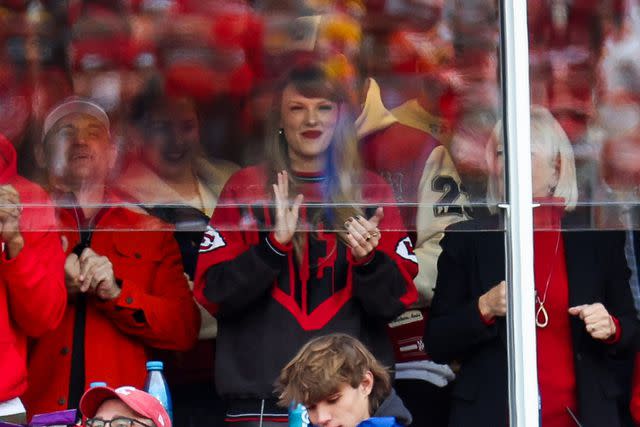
x: 10, y: 210
x: 494, y: 302
x: 597, y: 321
x: 96, y: 275
x: 286, y: 215
x: 363, y: 235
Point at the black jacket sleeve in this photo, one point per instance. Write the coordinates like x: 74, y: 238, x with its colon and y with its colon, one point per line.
x: 380, y: 286
x: 618, y: 297
x: 455, y: 325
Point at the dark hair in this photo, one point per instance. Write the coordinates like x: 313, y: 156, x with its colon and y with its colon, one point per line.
x: 153, y: 96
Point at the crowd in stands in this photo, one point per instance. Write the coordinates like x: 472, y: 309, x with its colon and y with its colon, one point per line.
x: 219, y: 183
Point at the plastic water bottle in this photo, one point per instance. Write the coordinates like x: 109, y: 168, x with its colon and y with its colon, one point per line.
x: 298, y: 416
x: 156, y: 385
x: 97, y: 384
x: 539, y: 409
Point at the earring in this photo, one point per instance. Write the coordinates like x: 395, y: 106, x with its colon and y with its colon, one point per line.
x: 280, y: 131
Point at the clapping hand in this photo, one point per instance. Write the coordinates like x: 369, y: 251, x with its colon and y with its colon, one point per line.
x: 10, y: 211
x: 286, y: 214
x: 91, y: 273
x: 363, y: 234
x: 72, y: 274
x: 96, y: 275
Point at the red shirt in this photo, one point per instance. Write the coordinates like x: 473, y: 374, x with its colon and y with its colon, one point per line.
x: 556, y: 375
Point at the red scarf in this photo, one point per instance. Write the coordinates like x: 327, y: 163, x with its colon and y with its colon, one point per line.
x: 556, y: 375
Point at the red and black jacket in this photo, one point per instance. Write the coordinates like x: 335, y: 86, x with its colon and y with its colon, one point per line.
x: 268, y: 304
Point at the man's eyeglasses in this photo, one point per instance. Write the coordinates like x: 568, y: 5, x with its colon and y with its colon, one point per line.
x: 115, y: 422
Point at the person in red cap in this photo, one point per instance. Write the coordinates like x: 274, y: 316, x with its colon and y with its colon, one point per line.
x: 123, y: 407
x: 32, y: 292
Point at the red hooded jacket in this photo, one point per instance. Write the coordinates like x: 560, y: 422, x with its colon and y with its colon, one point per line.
x: 32, y: 292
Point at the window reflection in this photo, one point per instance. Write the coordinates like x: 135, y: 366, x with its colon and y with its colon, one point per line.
x: 190, y: 89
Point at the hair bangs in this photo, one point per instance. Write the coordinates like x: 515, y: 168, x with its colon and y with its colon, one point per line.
x: 324, y: 365
x: 313, y: 82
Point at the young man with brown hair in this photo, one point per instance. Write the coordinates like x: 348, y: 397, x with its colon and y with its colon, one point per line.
x: 341, y: 383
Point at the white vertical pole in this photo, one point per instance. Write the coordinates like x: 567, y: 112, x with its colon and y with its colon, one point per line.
x: 521, y: 333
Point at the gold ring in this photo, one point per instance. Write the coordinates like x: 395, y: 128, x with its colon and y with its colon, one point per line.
x: 368, y: 237
x: 375, y: 234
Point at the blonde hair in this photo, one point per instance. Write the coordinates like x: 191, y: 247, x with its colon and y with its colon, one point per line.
x: 324, y: 364
x: 343, y: 170
x: 548, y: 137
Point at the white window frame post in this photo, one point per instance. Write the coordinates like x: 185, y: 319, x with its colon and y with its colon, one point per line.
x: 521, y: 332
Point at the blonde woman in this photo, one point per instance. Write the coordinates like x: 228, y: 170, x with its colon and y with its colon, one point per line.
x: 305, y: 244
x: 584, y: 308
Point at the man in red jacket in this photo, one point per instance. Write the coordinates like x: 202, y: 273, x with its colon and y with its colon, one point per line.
x: 123, y: 271
x: 32, y: 294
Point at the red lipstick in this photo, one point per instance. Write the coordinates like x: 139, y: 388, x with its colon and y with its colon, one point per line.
x: 312, y: 134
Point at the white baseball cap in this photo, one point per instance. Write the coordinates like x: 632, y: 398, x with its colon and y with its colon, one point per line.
x: 74, y: 104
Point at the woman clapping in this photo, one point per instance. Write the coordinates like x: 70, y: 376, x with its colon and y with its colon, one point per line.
x: 305, y: 244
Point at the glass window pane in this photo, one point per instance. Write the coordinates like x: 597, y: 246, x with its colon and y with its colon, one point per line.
x: 157, y: 132
x: 584, y: 117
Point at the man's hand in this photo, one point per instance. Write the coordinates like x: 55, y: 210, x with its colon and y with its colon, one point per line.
x: 96, y: 275
x: 494, y: 302
x: 72, y: 274
x: 10, y: 210
x: 597, y: 320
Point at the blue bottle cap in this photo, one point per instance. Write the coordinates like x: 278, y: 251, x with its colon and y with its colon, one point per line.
x: 154, y: 365
x: 298, y: 416
x: 97, y: 384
